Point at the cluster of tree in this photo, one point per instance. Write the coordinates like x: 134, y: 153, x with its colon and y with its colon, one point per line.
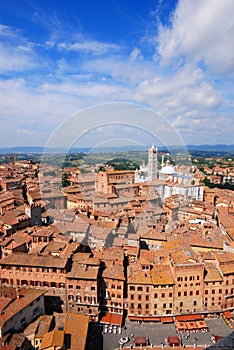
x: 65, y: 181
x: 123, y: 164
x: 226, y: 185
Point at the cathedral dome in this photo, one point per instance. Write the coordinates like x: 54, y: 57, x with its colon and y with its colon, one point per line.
x: 168, y: 170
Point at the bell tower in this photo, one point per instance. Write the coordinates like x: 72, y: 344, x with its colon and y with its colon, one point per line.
x: 152, y: 162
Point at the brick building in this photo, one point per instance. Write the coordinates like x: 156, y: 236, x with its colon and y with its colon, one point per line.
x: 34, y: 271
x: 105, y: 180
x: 82, y: 286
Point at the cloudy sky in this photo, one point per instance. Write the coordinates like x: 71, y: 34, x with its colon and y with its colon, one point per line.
x: 60, y: 57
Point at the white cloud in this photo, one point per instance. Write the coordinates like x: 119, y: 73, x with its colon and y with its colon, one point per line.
x: 201, y: 30
x: 80, y: 73
x: 120, y: 69
x: 183, y: 91
x: 95, y: 47
x: 16, y: 58
x: 136, y: 55
x: 16, y: 52
x: 208, y: 128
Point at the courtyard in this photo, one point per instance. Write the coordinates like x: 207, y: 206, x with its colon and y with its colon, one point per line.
x: 158, y: 332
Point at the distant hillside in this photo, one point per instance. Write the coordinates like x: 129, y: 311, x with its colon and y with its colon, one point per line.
x: 215, y: 149
x: 212, y: 148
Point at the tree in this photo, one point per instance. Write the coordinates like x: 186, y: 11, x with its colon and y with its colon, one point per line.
x: 65, y: 181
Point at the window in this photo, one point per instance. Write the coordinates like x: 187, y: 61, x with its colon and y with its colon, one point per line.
x: 185, y: 294
x: 213, y: 291
x: 70, y: 286
x: 147, y: 306
x: 139, y: 297
x: 147, y: 289
x: 198, y: 277
x: 139, y: 289
x: 197, y: 292
x: 191, y: 292
x: 93, y: 288
x: 179, y: 294
x: 147, y: 297
x: 164, y: 305
x: 23, y: 320
x: 77, y: 287
x: 132, y: 296
x: 181, y: 304
x: 179, y: 279
x: 36, y: 310
x: 185, y: 278
x: 132, y: 288
x: 191, y: 278
x: 206, y: 291
x: 163, y: 295
x: 170, y: 295
x: 155, y: 306
x: 155, y: 295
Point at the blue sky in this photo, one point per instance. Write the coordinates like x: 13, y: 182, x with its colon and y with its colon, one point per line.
x: 60, y: 57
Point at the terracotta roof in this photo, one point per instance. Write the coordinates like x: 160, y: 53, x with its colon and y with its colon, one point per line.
x: 24, y: 259
x: 227, y: 268
x: 77, y: 326
x: 154, y: 234
x: 224, y: 257
x: 184, y: 257
x: 114, y: 271
x: 212, y: 274
x: 54, y: 338
x: 138, y: 277
x: 161, y: 275
x: 112, y: 254
x: 79, y: 272
x: 18, y: 304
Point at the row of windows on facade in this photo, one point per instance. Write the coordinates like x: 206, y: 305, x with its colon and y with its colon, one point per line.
x: 155, y: 306
x: 43, y: 284
x: 79, y: 299
x: 140, y: 306
x: 179, y: 294
x: 113, y: 286
x: 32, y: 283
x: 119, y: 296
x: 33, y: 269
x: 187, y: 278
x: 197, y: 284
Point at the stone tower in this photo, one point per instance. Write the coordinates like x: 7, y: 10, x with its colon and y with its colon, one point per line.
x: 33, y: 211
x: 152, y: 163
